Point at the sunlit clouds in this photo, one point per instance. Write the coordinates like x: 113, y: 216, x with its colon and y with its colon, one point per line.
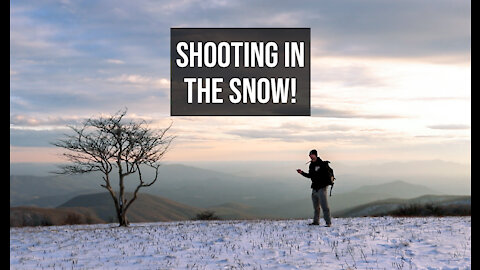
x: 389, y: 80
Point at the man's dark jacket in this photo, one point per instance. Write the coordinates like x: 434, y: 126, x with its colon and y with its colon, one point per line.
x: 317, y: 172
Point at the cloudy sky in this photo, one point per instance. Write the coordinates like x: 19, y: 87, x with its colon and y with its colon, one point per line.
x: 390, y: 79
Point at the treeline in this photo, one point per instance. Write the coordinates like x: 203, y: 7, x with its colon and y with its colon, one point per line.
x: 35, y: 216
x: 23, y: 216
x: 429, y: 209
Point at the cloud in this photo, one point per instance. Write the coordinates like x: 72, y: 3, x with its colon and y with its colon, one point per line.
x: 141, y: 81
x: 309, y: 130
x: 133, y: 79
x: 425, y: 98
x: 75, y: 59
x: 30, y: 121
x: 115, y: 61
x: 370, y: 28
x: 320, y: 111
x: 75, y: 40
x: 34, y: 138
x: 90, y: 97
x: 347, y: 75
x: 37, y: 40
x: 315, y: 135
x: 44, y: 122
x: 301, y: 127
x: 392, y: 29
x: 17, y: 101
x: 31, y: 131
x: 449, y: 126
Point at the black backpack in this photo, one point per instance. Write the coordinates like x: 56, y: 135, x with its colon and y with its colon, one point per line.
x: 330, y: 175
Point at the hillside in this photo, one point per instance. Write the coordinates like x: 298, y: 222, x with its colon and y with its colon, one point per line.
x: 237, y: 211
x: 145, y: 208
x: 151, y: 208
x: 386, y: 206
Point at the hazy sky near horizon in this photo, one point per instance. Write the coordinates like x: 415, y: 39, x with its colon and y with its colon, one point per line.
x: 390, y: 79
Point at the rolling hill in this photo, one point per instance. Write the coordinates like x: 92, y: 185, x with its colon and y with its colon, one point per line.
x: 385, y: 206
x: 151, y: 208
x: 146, y: 207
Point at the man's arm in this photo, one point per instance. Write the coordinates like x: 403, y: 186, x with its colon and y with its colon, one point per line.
x: 303, y: 173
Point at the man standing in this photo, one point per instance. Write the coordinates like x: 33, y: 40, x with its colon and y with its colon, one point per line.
x: 317, y: 173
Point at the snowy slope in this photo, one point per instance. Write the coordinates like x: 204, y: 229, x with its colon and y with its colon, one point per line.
x: 352, y: 243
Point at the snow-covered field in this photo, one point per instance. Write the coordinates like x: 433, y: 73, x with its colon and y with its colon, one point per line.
x: 352, y: 243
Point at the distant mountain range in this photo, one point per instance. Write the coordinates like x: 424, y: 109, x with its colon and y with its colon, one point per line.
x: 48, y: 191
x: 182, y: 191
x: 189, y: 185
x: 444, y: 176
x: 98, y: 208
x: 397, y: 188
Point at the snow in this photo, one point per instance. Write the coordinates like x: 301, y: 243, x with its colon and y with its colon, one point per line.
x: 352, y: 243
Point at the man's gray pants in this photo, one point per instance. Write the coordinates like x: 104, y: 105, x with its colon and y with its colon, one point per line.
x: 319, y: 198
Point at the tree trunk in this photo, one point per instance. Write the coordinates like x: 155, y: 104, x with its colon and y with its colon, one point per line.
x: 122, y: 216
x: 122, y: 220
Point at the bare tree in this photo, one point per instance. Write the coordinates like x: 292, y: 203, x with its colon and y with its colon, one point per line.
x: 107, y: 144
